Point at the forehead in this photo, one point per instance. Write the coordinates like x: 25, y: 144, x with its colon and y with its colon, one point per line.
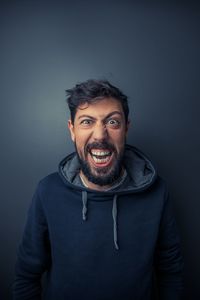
x: 100, y: 108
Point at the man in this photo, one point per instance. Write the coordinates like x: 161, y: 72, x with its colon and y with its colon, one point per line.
x: 102, y: 227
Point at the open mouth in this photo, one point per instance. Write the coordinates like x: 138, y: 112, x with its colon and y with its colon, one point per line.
x: 101, y: 156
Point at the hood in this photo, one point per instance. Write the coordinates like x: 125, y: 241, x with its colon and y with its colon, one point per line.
x: 140, y: 170
x: 141, y: 174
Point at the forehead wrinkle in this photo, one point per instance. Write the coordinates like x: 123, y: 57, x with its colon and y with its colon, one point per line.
x: 100, y: 116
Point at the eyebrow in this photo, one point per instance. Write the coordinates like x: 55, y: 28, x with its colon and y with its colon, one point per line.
x: 108, y: 116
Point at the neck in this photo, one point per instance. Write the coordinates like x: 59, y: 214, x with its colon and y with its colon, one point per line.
x: 94, y: 186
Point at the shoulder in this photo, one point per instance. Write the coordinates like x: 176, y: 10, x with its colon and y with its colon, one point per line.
x: 160, y: 187
x: 49, y: 179
x: 50, y: 182
x: 161, y: 182
x: 48, y: 190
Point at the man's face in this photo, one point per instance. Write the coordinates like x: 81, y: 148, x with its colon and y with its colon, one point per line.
x: 99, y: 133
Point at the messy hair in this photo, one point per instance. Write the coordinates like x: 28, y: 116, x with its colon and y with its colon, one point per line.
x: 91, y: 91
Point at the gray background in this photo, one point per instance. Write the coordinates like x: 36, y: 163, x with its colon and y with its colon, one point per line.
x: 149, y: 49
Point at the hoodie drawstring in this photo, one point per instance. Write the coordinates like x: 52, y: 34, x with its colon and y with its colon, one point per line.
x: 84, y: 209
x: 114, y: 214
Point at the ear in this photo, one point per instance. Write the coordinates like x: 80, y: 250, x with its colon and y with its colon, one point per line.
x: 71, y: 129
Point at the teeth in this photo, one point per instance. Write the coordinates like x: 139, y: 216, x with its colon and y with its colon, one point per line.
x: 101, y: 160
x: 100, y: 153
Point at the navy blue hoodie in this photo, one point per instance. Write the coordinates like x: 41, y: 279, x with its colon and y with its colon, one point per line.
x: 100, y: 245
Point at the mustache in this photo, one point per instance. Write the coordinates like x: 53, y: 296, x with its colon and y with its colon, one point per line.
x: 100, y: 145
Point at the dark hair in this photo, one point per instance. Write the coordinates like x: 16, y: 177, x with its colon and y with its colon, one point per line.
x: 91, y: 91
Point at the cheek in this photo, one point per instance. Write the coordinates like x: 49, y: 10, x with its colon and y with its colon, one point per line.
x: 119, y: 139
x: 82, y: 137
x: 80, y: 144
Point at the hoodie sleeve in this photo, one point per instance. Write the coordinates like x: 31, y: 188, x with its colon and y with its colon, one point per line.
x: 33, y: 254
x: 168, y: 258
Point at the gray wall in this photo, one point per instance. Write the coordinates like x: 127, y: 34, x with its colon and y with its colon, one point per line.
x: 150, y: 50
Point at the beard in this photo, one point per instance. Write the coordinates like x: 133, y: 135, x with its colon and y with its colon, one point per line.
x: 103, y: 175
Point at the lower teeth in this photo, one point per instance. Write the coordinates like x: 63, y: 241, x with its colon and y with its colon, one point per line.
x: 101, y: 160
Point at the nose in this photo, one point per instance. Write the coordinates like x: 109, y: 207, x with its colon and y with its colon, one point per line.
x: 100, y: 132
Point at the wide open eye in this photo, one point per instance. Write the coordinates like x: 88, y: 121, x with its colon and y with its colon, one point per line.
x: 86, y: 122
x: 113, y: 123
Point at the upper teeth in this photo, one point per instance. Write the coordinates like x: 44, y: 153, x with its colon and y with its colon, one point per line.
x: 100, y: 153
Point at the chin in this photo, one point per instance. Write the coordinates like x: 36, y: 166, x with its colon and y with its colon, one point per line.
x: 103, y: 176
